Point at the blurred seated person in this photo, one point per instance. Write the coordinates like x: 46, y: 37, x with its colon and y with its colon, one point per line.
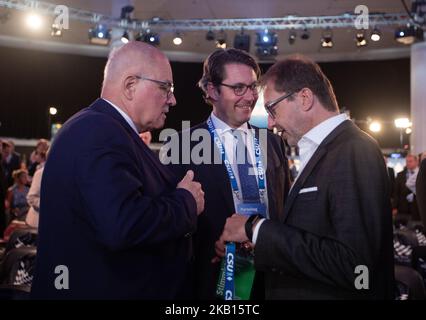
x: 16, y: 203
x: 3, y: 190
x: 10, y: 161
x: 33, y: 199
x: 146, y: 137
x: 35, y: 160
x: 404, y: 200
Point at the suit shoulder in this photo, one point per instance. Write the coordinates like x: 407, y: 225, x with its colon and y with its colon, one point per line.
x: 355, y: 137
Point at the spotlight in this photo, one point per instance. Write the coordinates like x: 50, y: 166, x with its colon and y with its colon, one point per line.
x: 221, y: 40
x: 149, y: 37
x: 100, y: 35
x: 53, y: 111
x: 375, y: 35
x: 266, y: 43
x: 305, y: 34
x: 34, y: 21
x: 177, y: 40
x: 125, y: 37
x: 292, y: 37
x: 402, y: 123
x: 408, y: 35
x: 242, y: 41
x: 327, y: 39
x: 361, y: 41
x: 375, y: 126
x: 56, y: 31
x: 210, y: 36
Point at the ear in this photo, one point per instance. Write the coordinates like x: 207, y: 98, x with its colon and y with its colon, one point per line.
x: 212, y: 91
x: 129, y: 88
x: 306, y: 97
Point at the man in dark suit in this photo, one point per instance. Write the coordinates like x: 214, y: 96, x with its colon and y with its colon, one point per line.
x: 229, y: 83
x: 334, y: 238
x: 404, y: 200
x: 114, y: 222
x: 421, y: 189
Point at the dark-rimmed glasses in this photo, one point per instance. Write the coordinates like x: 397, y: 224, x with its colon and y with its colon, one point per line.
x: 167, y: 86
x: 240, y: 89
x: 270, y: 106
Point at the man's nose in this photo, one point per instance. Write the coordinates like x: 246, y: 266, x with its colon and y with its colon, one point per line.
x: 171, y: 101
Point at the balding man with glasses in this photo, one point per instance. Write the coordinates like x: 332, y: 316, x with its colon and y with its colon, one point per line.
x: 115, y: 223
x: 232, y: 170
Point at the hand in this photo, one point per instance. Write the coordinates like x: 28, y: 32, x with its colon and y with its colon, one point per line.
x: 234, y: 231
x: 194, y: 187
x: 219, y: 249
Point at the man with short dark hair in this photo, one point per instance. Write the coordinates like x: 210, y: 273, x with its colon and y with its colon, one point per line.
x: 230, y: 86
x: 334, y: 240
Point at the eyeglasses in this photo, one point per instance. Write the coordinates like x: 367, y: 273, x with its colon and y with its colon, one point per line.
x: 240, y: 89
x: 270, y: 106
x: 166, y: 86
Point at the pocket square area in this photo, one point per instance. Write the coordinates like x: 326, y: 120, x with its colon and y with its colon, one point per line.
x: 311, y: 189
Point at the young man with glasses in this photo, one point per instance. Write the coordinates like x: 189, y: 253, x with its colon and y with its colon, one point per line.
x: 114, y: 222
x: 334, y: 238
x: 230, y: 86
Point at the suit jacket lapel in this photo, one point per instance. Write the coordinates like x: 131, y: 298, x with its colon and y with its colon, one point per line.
x: 274, y: 191
x: 316, y: 157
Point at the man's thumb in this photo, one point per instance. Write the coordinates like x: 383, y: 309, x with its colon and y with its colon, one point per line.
x: 189, y: 176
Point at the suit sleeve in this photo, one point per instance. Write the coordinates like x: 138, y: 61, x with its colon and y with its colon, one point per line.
x: 120, y: 211
x: 358, y: 205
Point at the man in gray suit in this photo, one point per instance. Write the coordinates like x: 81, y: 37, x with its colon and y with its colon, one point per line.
x: 334, y: 239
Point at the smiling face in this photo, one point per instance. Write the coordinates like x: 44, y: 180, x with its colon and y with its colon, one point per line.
x: 233, y: 109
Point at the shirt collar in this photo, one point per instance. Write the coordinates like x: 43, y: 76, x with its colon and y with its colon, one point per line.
x: 124, y: 115
x: 318, y: 133
x: 222, y: 127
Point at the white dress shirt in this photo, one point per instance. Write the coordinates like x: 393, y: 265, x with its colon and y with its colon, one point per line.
x: 124, y: 115
x: 308, y: 144
x: 224, y: 131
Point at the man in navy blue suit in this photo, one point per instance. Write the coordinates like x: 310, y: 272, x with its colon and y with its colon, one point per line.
x: 114, y: 222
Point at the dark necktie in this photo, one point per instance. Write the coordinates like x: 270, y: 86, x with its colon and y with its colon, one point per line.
x: 248, y: 181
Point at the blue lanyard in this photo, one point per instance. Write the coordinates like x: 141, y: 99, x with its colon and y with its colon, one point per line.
x: 230, y: 271
x: 257, y: 153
